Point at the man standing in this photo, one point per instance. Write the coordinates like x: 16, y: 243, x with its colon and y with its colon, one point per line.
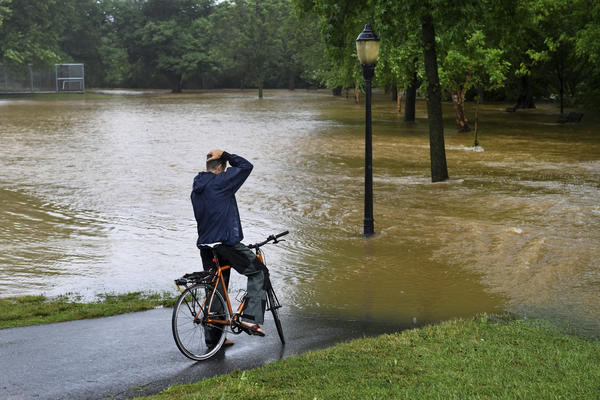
x: 218, y: 220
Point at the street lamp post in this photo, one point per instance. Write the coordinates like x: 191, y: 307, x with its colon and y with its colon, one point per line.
x: 367, y: 48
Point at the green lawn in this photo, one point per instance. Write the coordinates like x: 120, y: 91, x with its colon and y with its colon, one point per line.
x: 35, y: 310
x: 488, y: 357
x: 481, y: 358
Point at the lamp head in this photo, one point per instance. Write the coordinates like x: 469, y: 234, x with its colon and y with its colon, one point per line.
x: 367, y: 46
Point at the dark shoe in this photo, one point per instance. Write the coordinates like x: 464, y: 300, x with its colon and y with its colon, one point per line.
x: 228, y: 343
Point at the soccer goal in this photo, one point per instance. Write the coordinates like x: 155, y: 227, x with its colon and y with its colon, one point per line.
x: 70, y: 78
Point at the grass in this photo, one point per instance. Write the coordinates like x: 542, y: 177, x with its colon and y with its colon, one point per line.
x: 497, y: 357
x: 481, y: 358
x: 36, y: 310
x: 53, y: 96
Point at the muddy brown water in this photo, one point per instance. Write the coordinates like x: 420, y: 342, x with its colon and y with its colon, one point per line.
x: 94, y: 198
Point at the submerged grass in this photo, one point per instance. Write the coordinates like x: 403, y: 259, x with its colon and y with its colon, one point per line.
x: 485, y: 357
x: 53, y: 96
x: 35, y: 310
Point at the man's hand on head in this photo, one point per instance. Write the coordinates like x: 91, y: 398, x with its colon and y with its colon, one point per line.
x: 214, y: 154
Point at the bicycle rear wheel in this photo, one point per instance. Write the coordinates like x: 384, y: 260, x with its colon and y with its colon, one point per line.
x: 274, y: 306
x: 194, y: 336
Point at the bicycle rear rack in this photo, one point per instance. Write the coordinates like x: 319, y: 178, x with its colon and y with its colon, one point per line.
x: 194, y: 278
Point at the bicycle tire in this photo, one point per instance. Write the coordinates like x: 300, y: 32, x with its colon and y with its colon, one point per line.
x: 189, y: 329
x: 274, y: 305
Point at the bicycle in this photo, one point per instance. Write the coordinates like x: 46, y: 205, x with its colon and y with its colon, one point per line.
x: 203, y: 313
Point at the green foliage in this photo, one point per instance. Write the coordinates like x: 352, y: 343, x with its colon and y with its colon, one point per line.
x: 340, y: 23
x: 30, y: 31
x: 401, y: 52
x: 4, y: 10
x: 471, y: 63
x: 303, y: 49
x: 284, y: 43
x: 172, y: 38
x: 255, y: 48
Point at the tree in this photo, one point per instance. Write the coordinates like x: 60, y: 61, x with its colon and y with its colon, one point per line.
x: 81, y: 39
x: 558, y: 22
x: 173, y: 38
x: 254, y: 48
x: 340, y: 22
x: 401, y: 52
x: 30, y: 32
x: 437, y: 150
x: 469, y: 63
x: 587, y: 48
x: 302, y: 47
x: 426, y: 12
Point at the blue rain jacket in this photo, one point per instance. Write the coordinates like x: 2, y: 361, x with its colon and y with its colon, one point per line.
x: 215, y: 207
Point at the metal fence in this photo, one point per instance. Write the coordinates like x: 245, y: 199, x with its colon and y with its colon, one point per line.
x: 32, y: 79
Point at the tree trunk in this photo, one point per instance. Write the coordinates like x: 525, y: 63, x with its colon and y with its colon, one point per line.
x: 439, y: 168
x: 458, y: 100
x: 410, y: 104
x: 411, y: 98
x: 476, y: 141
x: 176, y: 82
x: 525, y: 99
x: 561, y: 81
x: 292, y: 79
x: 562, y: 96
x: 399, y: 99
x: 260, y: 87
x: 394, y: 92
x: 357, y: 95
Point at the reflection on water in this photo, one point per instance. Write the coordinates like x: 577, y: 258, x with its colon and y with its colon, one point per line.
x: 94, y: 197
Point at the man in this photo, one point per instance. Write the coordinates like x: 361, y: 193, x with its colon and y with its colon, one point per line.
x: 218, y: 220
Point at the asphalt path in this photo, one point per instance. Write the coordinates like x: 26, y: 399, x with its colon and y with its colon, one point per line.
x: 135, y: 355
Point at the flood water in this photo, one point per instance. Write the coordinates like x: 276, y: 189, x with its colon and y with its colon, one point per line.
x: 94, y: 198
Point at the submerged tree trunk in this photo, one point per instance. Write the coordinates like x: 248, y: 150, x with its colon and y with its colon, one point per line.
x: 399, y: 99
x: 458, y: 100
x: 410, y: 104
x: 439, y: 168
x: 476, y: 141
x: 261, y: 83
x: 561, y: 82
x: 176, y: 82
x: 525, y: 99
x: 292, y: 79
x: 411, y: 98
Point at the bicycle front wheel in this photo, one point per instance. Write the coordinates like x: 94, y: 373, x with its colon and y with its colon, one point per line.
x: 195, y: 331
x: 274, y: 306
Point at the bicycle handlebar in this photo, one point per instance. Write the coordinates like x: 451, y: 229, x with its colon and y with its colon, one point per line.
x: 272, y: 238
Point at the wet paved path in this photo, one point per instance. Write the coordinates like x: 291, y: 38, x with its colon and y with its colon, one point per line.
x: 134, y: 354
